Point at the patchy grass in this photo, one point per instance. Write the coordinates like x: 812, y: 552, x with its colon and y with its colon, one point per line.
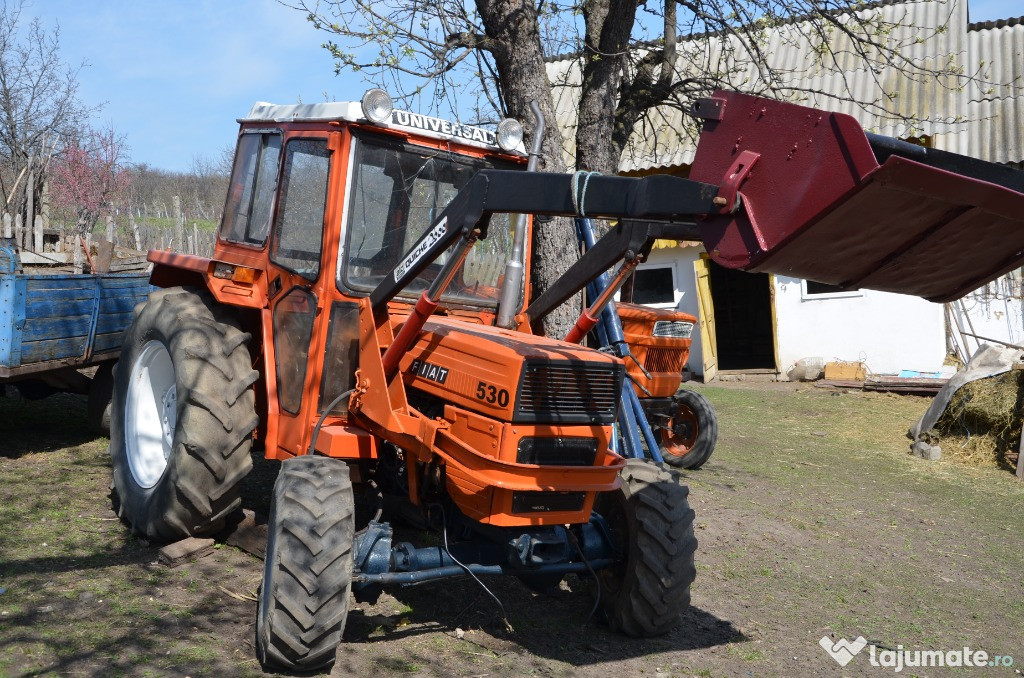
x: 812, y: 518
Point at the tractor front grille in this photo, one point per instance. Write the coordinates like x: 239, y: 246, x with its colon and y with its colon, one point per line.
x: 677, y: 329
x: 664, y: 359
x: 568, y: 393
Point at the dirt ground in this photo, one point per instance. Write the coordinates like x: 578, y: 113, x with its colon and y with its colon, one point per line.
x: 812, y: 520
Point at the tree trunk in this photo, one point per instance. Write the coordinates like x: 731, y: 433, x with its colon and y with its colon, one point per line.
x: 608, y: 25
x: 514, y: 40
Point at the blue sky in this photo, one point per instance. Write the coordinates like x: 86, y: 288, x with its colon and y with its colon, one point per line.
x: 175, y: 75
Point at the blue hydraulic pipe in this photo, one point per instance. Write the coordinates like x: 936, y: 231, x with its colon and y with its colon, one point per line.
x: 454, y: 571
x: 632, y: 421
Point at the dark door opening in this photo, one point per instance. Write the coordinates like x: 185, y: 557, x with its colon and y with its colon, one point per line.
x: 743, y: 319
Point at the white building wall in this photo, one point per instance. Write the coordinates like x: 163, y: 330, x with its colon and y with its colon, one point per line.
x: 889, y: 332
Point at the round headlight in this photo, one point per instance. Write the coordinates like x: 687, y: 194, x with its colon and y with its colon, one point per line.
x: 377, y: 105
x: 510, y: 134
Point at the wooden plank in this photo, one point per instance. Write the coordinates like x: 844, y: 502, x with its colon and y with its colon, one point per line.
x: 52, y: 349
x: 114, y: 322
x: 107, y: 341
x: 104, y: 255
x: 123, y: 304
x: 37, y: 259
x: 55, y: 327
x: 42, y: 308
x: 247, y: 532
x: 185, y: 551
x: 45, y: 366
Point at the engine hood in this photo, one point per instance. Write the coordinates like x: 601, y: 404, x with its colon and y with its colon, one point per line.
x: 513, y: 376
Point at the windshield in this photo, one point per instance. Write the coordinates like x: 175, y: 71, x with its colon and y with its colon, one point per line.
x: 397, y: 190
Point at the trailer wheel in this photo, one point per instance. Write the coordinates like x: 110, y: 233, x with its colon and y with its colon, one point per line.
x: 101, y: 390
x: 182, y: 416
x: 307, y: 575
x: 651, y: 524
x: 690, y: 437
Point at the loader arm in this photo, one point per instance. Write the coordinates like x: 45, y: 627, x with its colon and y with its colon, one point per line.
x: 654, y: 198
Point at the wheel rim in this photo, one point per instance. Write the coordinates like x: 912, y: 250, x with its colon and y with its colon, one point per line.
x: 679, y: 437
x: 150, y: 414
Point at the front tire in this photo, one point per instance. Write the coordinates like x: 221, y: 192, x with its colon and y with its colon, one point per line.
x: 182, y: 416
x: 307, y: 575
x: 690, y: 436
x: 651, y: 525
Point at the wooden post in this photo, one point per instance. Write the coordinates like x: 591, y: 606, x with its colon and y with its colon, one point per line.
x: 1020, y: 455
x: 8, y: 227
x: 30, y: 205
x: 38, y: 232
x: 110, y: 229
x: 45, y: 207
x: 60, y: 239
x: 77, y: 258
x: 179, y: 223
x: 135, y: 231
x: 19, y: 236
x: 195, y: 238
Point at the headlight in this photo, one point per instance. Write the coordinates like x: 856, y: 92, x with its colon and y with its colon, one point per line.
x: 377, y: 105
x: 510, y: 134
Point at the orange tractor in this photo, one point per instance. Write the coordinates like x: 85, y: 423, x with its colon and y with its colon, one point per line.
x: 347, y: 321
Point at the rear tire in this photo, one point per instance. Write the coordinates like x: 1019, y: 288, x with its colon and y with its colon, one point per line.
x: 307, y: 575
x: 689, y: 439
x: 182, y: 416
x: 651, y: 524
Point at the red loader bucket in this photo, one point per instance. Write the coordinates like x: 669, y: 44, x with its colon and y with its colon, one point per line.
x: 824, y: 201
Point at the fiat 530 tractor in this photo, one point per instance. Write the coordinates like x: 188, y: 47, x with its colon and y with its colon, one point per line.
x: 363, y: 318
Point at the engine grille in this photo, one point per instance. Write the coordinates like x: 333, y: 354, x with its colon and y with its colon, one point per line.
x: 664, y: 359
x: 568, y: 393
x: 677, y: 329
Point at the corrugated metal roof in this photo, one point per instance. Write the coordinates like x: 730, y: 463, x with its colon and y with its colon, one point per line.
x: 996, y: 106
x: 930, y: 33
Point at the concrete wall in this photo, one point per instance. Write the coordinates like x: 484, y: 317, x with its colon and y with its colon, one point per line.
x: 889, y: 332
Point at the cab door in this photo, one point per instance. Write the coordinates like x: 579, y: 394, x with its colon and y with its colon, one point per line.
x: 295, y: 286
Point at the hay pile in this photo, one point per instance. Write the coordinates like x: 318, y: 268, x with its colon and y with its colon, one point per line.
x: 981, y: 427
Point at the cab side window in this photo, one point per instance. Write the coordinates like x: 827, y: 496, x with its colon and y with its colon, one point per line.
x: 251, y: 193
x: 299, y: 227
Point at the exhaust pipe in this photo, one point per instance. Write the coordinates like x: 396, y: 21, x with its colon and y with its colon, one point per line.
x: 515, y: 269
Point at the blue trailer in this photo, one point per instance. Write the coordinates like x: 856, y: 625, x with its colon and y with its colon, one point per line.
x: 53, y: 326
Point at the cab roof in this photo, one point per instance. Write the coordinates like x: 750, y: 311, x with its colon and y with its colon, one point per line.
x: 351, y: 111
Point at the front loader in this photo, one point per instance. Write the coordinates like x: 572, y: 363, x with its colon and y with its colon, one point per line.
x: 348, y: 322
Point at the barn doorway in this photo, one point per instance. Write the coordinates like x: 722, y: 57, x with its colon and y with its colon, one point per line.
x: 744, y: 319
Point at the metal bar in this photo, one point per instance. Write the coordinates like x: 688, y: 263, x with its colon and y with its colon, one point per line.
x: 643, y: 426
x: 996, y: 341
x: 589, y: 317
x: 426, y: 306
x: 455, y: 571
x: 660, y: 198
